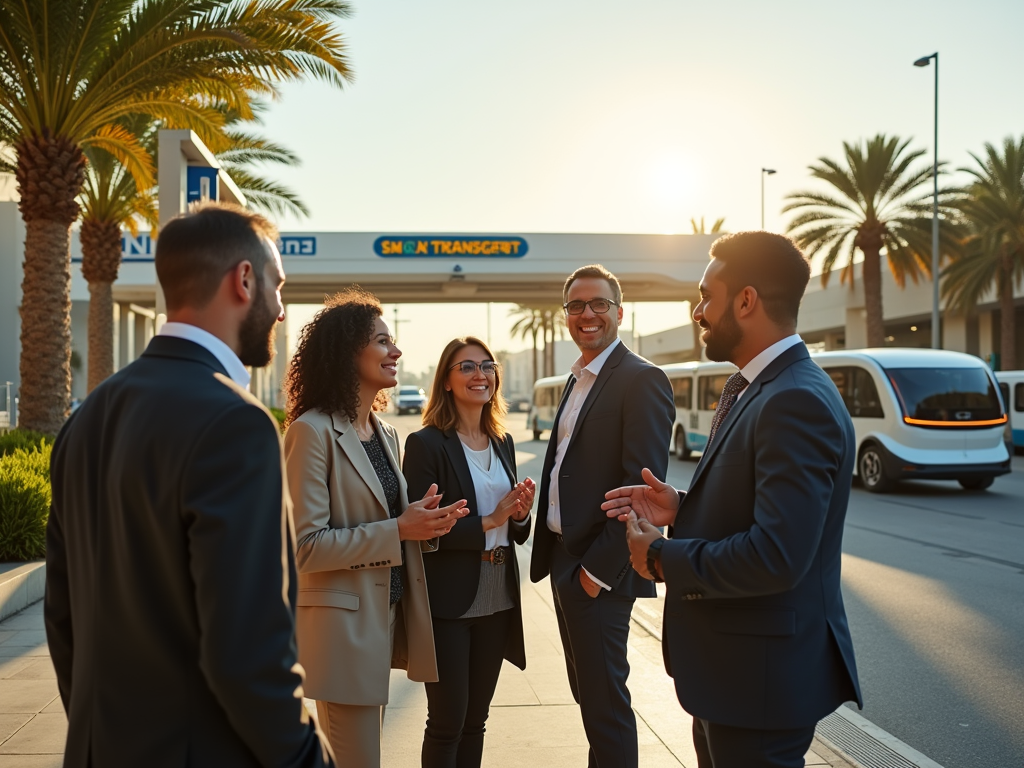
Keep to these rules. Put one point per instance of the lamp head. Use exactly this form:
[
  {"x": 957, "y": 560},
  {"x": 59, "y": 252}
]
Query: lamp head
[
  {"x": 924, "y": 61},
  {"x": 769, "y": 171}
]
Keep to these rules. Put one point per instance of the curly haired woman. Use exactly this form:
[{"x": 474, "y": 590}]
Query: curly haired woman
[{"x": 362, "y": 605}]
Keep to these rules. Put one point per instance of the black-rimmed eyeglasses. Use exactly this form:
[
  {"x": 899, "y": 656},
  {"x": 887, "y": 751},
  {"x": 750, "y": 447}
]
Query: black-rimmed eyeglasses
[
  {"x": 598, "y": 306},
  {"x": 469, "y": 367}
]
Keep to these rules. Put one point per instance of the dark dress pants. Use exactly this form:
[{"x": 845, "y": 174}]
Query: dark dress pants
[
  {"x": 594, "y": 633},
  {"x": 469, "y": 658},
  {"x": 723, "y": 746}
]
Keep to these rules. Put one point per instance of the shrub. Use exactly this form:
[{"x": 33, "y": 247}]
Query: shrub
[
  {"x": 24, "y": 503},
  {"x": 279, "y": 415},
  {"x": 23, "y": 439}
]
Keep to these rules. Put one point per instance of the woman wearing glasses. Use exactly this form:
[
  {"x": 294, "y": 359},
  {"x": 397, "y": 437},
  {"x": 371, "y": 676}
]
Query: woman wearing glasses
[
  {"x": 362, "y": 603},
  {"x": 473, "y": 578}
]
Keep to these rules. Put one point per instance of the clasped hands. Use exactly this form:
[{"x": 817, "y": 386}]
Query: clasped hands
[
  {"x": 424, "y": 519},
  {"x": 516, "y": 505},
  {"x": 644, "y": 509}
]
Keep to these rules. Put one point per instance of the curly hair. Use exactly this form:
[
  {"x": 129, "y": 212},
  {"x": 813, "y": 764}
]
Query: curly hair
[{"x": 324, "y": 371}]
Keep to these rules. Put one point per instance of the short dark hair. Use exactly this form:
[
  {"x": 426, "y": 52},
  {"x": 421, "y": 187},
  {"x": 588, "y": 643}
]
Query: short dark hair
[
  {"x": 594, "y": 270},
  {"x": 195, "y": 250},
  {"x": 324, "y": 371},
  {"x": 770, "y": 264}
]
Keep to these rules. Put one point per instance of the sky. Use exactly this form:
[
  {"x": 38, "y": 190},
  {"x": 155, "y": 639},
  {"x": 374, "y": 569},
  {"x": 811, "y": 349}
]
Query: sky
[{"x": 593, "y": 116}]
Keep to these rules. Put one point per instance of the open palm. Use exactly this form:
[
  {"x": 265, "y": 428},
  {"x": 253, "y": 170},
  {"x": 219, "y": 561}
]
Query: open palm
[{"x": 656, "y": 502}]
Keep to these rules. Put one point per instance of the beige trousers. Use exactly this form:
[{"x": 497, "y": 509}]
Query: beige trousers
[{"x": 354, "y": 730}]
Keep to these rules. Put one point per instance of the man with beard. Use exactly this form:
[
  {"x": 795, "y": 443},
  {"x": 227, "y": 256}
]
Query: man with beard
[
  {"x": 755, "y": 632},
  {"x": 614, "y": 419},
  {"x": 170, "y": 578}
]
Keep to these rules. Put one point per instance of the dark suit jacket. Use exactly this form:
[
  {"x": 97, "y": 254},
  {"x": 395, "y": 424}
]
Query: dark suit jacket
[
  {"x": 755, "y": 631},
  {"x": 170, "y": 574},
  {"x": 453, "y": 572},
  {"x": 625, "y": 424}
]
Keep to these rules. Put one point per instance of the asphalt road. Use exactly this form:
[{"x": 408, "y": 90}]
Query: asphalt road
[{"x": 933, "y": 578}]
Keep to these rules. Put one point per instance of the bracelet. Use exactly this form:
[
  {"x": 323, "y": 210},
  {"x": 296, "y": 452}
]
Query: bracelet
[{"x": 654, "y": 557}]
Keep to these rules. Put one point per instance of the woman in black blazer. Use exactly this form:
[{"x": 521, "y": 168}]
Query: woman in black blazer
[{"x": 473, "y": 577}]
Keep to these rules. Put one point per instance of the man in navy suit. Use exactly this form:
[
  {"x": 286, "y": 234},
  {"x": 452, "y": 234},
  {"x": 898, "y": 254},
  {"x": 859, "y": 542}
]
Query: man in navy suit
[{"x": 755, "y": 632}]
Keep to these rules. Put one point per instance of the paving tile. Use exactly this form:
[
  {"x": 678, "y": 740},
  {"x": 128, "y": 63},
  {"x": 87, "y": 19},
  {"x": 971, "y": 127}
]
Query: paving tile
[
  {"x": 9, "y": 724},
  {"x": 24, "y": 620},
  {"x": 26, "y": 637},
  {"x": 57, "y": 707},
  {"x": 5, "y": 635},
  {"x": 38, "y": 668},
  {"x": 8, "y": 651},
  {"x": 26, "y": 695},
  {"x": 42, "y": 735},
  {"x": 10, "y": 666},
  {"x": 31, "y": 761}
]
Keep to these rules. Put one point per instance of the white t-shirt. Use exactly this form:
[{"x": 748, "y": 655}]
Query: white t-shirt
[{"x": 491, "y": 485}]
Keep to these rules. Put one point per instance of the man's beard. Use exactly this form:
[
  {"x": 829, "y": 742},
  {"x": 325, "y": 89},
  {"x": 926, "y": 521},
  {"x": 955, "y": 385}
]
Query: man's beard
[
  {"x": 257, "y": 335},
  {"x": 725, "y": 336}
]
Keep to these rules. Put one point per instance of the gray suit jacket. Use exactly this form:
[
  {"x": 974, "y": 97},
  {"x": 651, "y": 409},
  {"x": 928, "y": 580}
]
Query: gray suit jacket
[
  {"x": 755, "y": 631},
  {"x": 170, "y": 574}
]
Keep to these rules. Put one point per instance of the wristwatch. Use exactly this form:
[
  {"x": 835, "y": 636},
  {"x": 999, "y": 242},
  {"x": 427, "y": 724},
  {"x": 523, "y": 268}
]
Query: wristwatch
[{"x": 654, "y": 557}]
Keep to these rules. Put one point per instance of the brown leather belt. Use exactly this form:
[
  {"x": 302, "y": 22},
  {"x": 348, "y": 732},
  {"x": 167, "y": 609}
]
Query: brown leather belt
[{"x": 496, "y": 556}]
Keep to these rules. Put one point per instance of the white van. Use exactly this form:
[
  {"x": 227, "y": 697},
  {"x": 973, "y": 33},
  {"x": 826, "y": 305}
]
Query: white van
[
  {"x": 1011, "y": 385},
  {"x": 921, "y": 414},
  {"x": 547, "y": 393},
  {"x": 696, "y": 388}
]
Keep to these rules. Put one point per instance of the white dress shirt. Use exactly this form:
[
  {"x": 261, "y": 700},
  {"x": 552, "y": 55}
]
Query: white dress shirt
[
  {"x": 224, "y": 354},
  {"x": 762, "y": 360},
  {"x": 491, "y": 485},
  {"x": 585, "y": 377}
]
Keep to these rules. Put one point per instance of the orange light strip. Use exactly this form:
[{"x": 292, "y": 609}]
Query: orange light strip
[{"x": 984, "y": 423}]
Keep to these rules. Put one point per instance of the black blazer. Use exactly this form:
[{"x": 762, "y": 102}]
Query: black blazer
[
  {"x": 453, "y": 571},
  {"x": 755, "y": 631},
  {"x": 624, "y": 425},
  {"x": 170, "y": 574}
]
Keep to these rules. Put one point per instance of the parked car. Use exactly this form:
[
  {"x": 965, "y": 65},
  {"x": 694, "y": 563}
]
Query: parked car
[{"x": 410, "y": 399}]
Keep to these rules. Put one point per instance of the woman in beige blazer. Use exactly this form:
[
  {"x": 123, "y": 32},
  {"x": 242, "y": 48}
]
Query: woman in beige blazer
[{"x": 362, "y": 606}]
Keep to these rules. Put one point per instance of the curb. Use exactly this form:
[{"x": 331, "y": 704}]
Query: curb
[{"x": 21, "y": 584}]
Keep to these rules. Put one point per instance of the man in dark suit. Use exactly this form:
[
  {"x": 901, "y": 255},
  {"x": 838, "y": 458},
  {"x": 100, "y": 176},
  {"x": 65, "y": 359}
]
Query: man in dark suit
[
  {"x": 755, "y": 632},
  {"x": 170, "y": 566},
  {"x": 614, "y": 419}
]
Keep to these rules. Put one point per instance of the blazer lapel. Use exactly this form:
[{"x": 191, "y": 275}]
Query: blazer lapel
[
  {"x": 549, "y": 455},
  {"x": 602, "y": 378},
  {"x": 506, "y": 460},
  {"x": 775, "y": 367},
  {"x": 457, "y": 456},
  {"x": 348, "y": 439}
]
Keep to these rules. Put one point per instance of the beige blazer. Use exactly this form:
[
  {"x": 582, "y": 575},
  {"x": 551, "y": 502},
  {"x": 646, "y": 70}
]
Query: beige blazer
[{"x": 346, "y": 544}]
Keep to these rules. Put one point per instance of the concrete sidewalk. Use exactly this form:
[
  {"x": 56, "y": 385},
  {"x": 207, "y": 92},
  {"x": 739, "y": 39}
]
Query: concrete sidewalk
[{"x": 533, "y": 722}]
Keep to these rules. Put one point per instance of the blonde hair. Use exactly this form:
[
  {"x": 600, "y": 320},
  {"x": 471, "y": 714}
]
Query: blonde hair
[{"x": 440, "y": 411}]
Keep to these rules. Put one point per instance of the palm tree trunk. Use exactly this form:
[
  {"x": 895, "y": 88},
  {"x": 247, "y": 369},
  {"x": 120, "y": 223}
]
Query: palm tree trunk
[
  {"x": 534, "y": 332},
  {"x": 1007, "y": 329},
  {"x": 101, "y": 333},
  {"x": 49, "y": 173},
  {"x": 872, "y": 275}
]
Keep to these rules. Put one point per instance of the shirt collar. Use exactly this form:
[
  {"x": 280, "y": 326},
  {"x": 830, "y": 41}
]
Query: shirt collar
[
  {"x": 596, "y": 364},
  {"x": 224, "y": 354},
  {"x": 756, "y": 367}
]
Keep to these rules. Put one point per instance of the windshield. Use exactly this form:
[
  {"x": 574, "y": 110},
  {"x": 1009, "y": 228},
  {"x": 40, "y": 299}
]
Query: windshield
[{"x": 951, "y": 397}]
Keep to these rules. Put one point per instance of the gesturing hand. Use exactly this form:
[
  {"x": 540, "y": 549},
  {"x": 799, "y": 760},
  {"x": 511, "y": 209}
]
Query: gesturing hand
[
  {"x": 639, "y": 535},
  {"x": 656, "y": 502},
  {"x": 424, "y": 520},
  {"x": 515, "y": 504}
]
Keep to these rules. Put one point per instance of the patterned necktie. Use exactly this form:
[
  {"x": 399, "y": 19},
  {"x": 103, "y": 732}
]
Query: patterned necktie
[{"x": 730, "y": 392}]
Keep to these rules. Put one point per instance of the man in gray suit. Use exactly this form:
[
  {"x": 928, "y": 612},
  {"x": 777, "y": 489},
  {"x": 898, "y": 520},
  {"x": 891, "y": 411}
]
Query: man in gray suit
[
  {"x": 170, "y": 570},
  {"x": 615, "y": 418},
  {"x": 755, "y": 632}
]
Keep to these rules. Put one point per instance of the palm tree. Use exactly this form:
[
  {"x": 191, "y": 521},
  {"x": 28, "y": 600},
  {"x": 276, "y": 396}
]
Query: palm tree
[
  {"x": 698, "y": 228},
  {"x": 70, "y": 69},
  {"x": 993, "y": 245},
  {"x": 529, "y": 322},
  {"x": 111, "y": 201},
  {"x": 877, "y": 202}
]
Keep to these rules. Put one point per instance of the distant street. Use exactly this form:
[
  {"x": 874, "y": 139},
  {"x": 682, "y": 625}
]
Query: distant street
[{"x": 933, "y": 578}]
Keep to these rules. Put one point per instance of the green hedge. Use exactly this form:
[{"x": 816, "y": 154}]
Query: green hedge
[
  {"x": 279, "y": 415},
  {"x": 23, "y": 439},
  {"x": 24, "y": 500}
]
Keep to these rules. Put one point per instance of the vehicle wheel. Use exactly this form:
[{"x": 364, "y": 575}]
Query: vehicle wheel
[
  {"x": 682, "y": 452},
  {"x": 536, "y": 432},
  {"x": 976, "y": 483},
  {"x": 871, "y": 469}
]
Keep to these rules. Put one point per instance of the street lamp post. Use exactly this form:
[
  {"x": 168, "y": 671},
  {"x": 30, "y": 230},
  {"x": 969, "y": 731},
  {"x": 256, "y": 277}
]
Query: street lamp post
[
  {"x": 764, "y": 172},
  {"x": 924, "y": 61}
]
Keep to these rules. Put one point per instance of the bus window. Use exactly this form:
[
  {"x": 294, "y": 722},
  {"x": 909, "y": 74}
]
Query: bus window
[
  {"x": 709, "y": 389},
  {"x": 866, "y": 403},
  {"x": 1018, "y": 398},
  {"x": 682, "y": 392},
  {"x": 1004, "y": 390}
]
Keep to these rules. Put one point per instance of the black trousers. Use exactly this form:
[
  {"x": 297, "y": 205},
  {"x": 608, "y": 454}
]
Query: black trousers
[
  {"x": 594, "y": 633},
  {"x": 723, "y": 746},
  {"x": 469, "y": 658}
]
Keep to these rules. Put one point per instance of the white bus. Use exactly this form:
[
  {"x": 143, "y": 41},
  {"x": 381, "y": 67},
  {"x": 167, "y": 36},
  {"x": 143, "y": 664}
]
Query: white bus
[
  {"x": 917, "y": 413},
  {"x": 546, "y": 394},
  {"x": 1011, "y": 385}
]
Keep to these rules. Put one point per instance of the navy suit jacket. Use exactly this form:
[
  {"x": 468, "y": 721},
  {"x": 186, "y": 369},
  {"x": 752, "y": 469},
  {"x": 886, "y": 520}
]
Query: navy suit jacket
[
  {"x": 624, "y": 425},
  {"x": 755, "y": 631}
]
